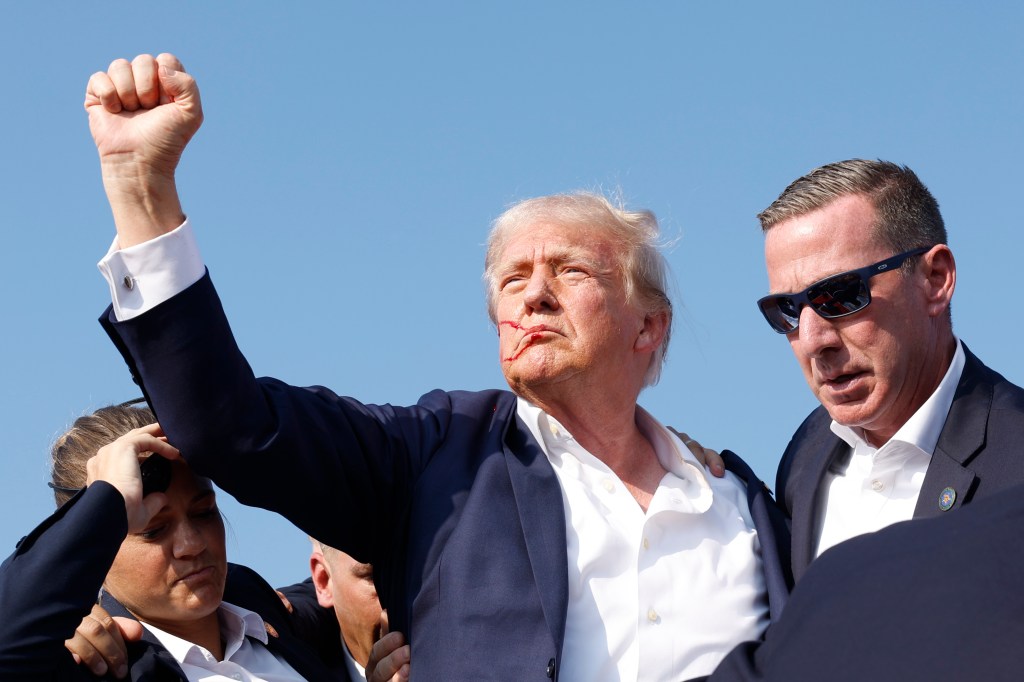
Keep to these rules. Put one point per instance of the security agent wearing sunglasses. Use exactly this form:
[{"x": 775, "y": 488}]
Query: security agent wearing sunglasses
[{"x": 911, "y": 423}]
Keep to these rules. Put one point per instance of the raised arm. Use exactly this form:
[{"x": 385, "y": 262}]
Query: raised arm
[
  {"x": 79, "y": 543},
  {"x": 142, "y": 114}
]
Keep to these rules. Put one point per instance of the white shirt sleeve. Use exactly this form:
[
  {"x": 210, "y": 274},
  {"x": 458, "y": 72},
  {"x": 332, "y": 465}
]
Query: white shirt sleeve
[{"x": 143, "y": 276}]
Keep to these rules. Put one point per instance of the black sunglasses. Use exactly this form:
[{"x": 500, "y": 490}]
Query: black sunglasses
[{"x": 836, "y": 296}]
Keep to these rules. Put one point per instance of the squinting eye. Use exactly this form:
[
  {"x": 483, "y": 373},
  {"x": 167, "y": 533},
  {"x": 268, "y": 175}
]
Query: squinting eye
[
  {"x": 152, "y": 533},
  {"x": 510, "y": 281}
]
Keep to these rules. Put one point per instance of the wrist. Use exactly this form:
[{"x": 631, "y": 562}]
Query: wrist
[{"x": 144, "y": 201}]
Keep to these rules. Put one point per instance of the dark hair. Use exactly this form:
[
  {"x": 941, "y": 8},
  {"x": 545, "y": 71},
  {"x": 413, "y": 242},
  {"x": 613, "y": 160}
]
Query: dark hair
[{"x": 907, "y": 215}]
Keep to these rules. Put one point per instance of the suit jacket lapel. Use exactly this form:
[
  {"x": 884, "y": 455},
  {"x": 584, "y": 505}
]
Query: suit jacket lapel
[
  {"x": 538, "y": 498},
  {"x": 962, "y": 437},
  {"x": 772, "y": 531},
  {"x": 148, "y": 658},
  {"x": 827, "y": 452}
]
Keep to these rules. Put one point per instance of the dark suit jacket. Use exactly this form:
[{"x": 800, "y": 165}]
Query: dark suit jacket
[
  {"x": 51, "y": 581},
  {"x": 457, "y": 506},
  {"x": 978, "y": 453},
  {"x": 928, "y": 599}
]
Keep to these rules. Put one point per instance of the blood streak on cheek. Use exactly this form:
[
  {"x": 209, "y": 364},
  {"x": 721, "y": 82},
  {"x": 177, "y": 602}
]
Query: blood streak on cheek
[{"x": 530, "y": 334}]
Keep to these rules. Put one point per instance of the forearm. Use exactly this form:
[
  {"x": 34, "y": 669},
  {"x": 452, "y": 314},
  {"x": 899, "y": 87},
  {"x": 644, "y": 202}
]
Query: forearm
[
  {"x": 52, "y": 579},
  {"x": 144, "y": 202}
]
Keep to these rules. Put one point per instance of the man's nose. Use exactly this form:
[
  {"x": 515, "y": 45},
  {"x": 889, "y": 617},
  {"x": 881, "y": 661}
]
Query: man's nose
[
  {"x": 816, "y": 334},
  {"x": 539, "y": 294}
]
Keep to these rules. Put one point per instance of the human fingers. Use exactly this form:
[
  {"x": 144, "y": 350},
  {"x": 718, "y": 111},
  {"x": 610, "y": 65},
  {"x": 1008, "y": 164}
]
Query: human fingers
[
  {"x": 179, "y": 87},
  {"x": 131, "y": 629},
  {"x": 120, "y": 72},
  {"x": 99, "y": 645},
  {"x": 147, "y": 84},
  {"x": 706, "y": 456},
  {"x": 389, "y": 659},
  {"x": 101, "y": 91},
  {"x": 170, "y": 61},
  {"x": 284, "y": 600},
  {"x": 118, "y": 464}
]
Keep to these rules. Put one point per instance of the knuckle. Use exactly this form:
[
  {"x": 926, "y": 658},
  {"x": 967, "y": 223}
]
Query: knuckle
[{"x": 91, "y": 628}]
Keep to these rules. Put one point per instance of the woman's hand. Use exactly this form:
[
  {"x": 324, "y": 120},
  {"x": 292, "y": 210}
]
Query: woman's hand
[{"x": 118, "y": 465}]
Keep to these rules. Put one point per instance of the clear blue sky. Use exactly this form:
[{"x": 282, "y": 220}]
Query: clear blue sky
[{"x": 353, "y": 156}]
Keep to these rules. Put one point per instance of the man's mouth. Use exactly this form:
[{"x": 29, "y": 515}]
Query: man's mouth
[
  {"x": 840, "y": 382},
  {"x": 530, "y": 335}
]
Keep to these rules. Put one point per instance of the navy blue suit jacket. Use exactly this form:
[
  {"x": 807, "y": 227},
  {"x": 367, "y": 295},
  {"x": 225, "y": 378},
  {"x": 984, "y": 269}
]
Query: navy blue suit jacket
[
  {"x": 978, "y": 453},
  {"x": 51, "y": 581},
  {"x": 928, "y": 599},
  {"x": 452, "y": 500}
]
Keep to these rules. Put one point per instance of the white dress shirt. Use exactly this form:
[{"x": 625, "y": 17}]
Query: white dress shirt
[
  {"x": 656, "y": 596},
  {"x": 244, "y": 660},
  {"x": 355, "y": 671},
  {"x": 880, "y": 486}
]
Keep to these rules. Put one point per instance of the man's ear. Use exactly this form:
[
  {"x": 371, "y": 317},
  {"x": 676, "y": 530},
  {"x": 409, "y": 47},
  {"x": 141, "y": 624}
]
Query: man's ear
[
  {"x": 652, "y": 333},
  {"x": 939, "y": 269},
  {"x": 321, "y": 580}
]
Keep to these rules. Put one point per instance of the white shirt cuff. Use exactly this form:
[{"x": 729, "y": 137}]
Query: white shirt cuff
[{"x": 143, "y": 276}]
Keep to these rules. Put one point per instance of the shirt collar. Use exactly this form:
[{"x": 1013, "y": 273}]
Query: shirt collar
[
  {"x": 924, "y": 426},
  {"x": 676, "y": 458},
  {"x": 236, "y": 623}
]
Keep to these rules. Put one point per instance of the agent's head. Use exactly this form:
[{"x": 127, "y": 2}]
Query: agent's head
[
  {"x": 873, "y": 344},
  {"x": 172, "y": 573},
  {"x": 344, "y": 584},
  {"x": 576, "y": 284}
]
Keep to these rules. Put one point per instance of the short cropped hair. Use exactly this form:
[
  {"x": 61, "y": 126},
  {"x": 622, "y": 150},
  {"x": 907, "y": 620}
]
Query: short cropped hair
[
  {"x": 88, "y": 434},
  {"x": 908, "y": 215},
  {"x": 641, "y": 264}
]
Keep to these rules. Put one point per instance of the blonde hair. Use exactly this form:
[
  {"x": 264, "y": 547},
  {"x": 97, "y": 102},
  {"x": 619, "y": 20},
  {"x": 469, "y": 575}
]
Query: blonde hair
[
  {"x": 641, "y": 264},
  {"x": 88, "y": 434}
]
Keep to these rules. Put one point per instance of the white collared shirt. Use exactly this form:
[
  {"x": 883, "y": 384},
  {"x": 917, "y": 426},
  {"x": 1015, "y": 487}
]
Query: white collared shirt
[
  {"x": 244, "y": 659},
  {"x": 880, "y": 486},
  {"x": 143, "y": 276},
  {"x": 355, "y": 671},
  {"x": 656, "y": 596}
]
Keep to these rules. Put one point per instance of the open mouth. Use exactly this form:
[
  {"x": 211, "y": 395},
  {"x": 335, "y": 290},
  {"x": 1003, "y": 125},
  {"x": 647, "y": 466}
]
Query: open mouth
[{"x": 841, "y": 382}]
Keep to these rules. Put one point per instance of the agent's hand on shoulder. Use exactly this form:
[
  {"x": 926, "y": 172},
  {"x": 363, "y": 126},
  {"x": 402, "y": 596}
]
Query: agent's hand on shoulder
[
  {"x": 99, "y": 642},
  {"x": 706, "y": 456}
]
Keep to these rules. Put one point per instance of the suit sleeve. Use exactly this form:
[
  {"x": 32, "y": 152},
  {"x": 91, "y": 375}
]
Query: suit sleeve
[
  {"x": 306, "y": 453},
  {"x": 51, "y": 581}
]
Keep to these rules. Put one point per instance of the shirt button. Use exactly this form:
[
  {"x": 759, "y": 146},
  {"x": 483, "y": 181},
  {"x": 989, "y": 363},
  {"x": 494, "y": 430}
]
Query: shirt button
[
  {"x": 652, "y": 615},
  {"x": 608, "y": 484},
  {"x": 129, "y": 284},
  {"x": 877, "y": 486},
  {"x": 553, "y": 428},
  {"x": 647, "y": 543}
]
